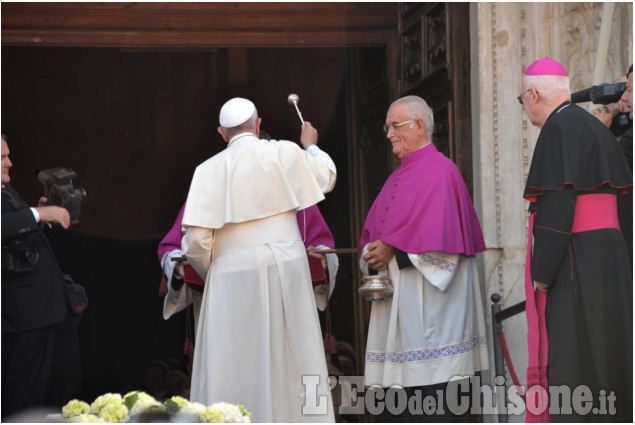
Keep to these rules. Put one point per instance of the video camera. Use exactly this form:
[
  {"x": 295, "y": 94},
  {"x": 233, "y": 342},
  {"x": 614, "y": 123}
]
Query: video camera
[
  {"x": 59, "y": 189},
  {"x": 602, "y": 94}
]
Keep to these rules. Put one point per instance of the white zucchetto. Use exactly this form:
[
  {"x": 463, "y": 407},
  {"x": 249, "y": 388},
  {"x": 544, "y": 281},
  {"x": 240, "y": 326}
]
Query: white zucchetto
[{"x": 235, "y": 112}]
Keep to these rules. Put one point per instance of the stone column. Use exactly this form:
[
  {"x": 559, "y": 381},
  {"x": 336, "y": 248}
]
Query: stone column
[{"x": 505, "y": 39}]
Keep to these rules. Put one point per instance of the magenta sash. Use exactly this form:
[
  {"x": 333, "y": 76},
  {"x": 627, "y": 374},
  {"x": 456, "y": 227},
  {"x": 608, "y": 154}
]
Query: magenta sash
[
  {"x": 595, "y": 211},
  {"x": 537, "y": 394}
]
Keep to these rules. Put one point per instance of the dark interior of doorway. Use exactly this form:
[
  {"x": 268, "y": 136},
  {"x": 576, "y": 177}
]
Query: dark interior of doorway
[{"x": 134, "y": 124}]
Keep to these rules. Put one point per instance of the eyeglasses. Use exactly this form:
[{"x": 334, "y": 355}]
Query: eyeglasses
[
  {"x": 520, "y": 98},
  {"x": 395, "y": 125}
]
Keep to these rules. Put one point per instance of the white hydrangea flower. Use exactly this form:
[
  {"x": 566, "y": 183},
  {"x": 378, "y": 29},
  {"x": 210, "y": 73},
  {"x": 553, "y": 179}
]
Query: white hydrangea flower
[
  {"x": 142, "y": 405},
  {"x": 143, "y": 396},
  {"x": 86, "y": 418},
  {"x": 231, "y": 413},
  {"x": 115, "y": 412},
  {"x": 103, "y": 400},
  {"x": 193, "y": 409},
  {"x": 139, "y": 401},
  {"x": 211, "y": 416},
  {"x": 176, "y": 402},
  {"x": 111, "y": 407},
  {"x": 74, "y": 408}
]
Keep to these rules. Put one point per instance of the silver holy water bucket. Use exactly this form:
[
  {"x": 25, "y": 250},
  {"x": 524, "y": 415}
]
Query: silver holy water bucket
[{"x": 376, "y": 288}]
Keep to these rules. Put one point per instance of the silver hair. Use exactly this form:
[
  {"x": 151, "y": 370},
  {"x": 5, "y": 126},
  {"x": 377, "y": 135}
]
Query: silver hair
[
  {"x": 418, "y": 108},
  {"x": 548, "y": 85},
  {"x": 250, "y": 124}
]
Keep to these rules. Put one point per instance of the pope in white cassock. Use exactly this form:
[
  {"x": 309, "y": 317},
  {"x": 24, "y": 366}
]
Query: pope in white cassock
[{"x": 258, "y": 333}]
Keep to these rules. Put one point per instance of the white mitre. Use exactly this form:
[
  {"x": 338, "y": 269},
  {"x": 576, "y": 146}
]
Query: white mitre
[{"x": 235, "y": 112}]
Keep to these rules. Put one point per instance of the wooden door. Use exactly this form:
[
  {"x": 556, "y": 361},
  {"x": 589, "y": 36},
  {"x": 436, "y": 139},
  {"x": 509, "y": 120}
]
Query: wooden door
[
  {"x": 435, "y": 65},
  {"x": 370, "y": 156}
]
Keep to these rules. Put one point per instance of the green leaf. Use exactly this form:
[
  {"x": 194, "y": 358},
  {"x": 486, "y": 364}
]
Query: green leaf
[
  {"x": 171, "y": 406},
  {"x": 244, "y": 411},
  {"x": 131, "y": 400}
]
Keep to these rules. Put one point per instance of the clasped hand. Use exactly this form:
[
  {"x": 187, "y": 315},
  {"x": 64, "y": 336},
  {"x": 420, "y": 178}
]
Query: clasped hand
[{"x": 314, "y": 252}]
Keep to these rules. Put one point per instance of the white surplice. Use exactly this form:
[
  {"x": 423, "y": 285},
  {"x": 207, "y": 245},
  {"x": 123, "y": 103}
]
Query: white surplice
[
  {"x": 259, "y": 331},
  {"x": 178, "y": 299},
  {"x": 432, "y": 329}
]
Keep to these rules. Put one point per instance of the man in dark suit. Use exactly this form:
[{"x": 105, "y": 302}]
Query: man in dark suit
[
  {"x": 607, "y": 115},
  {"x": 625, "y": 203},
  {"x": 40, "y": 348}
]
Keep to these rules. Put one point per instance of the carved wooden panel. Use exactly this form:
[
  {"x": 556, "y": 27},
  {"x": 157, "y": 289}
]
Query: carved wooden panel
[
  {"x": 412, "y": 54},
  {"x": 423, "y": 41},
  {"x": 442, "y": 131},
  {"x": 436, "y": 66},
  {"x": 436, "y": 43}
]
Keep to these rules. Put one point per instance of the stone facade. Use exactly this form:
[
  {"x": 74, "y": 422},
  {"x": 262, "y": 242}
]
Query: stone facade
[{"x": 505, "y": 39}]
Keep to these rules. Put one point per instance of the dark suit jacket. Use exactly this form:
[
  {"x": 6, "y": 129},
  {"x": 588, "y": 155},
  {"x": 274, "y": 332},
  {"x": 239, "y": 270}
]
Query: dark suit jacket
[
  {"x": 625, "y": 203},
  {"x": 33, "y": 299}
]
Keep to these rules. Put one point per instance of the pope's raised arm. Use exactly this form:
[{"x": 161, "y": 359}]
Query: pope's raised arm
[{"x": 320, "y": 162}]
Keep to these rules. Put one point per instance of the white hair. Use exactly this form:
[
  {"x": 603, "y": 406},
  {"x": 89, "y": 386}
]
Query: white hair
[
  {"x": 548, "y": 86},
  {"x": 418, "y": 108}
]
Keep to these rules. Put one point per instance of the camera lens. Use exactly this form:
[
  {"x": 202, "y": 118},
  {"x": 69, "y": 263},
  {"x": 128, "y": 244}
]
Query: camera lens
[{"x": 32, "y": 255}]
